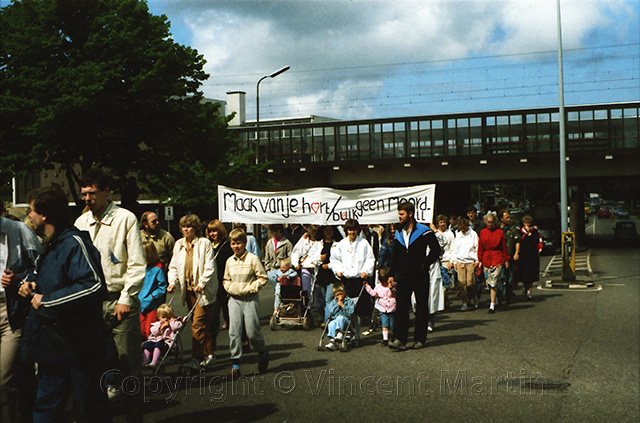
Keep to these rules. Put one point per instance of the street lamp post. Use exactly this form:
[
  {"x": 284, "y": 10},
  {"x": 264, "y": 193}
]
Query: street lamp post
[{"x": 273, "y": 75}]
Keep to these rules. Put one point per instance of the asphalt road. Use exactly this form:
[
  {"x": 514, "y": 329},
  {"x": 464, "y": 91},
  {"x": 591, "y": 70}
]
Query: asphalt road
[{"x": 568, "y": 355}]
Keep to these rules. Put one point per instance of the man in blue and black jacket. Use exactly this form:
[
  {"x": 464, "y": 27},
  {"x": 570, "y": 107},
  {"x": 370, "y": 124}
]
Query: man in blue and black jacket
[
  {"x": 410, "y": 273},
  {"x": 64, "y": 332}
]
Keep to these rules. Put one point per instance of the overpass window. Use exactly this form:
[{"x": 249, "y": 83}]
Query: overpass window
[
  {"x": 352, "y": 142},
  {"x": 437, "y": 137},
  {"x": 297, "y": 145},
  {"x": 631, "y": 128},
  {"x": 364, "y": 141},
  {"x": 399, "y": 135},
  {"x": 515, "y": 132},
  {"x": 414, "y": 139},
  {"x": 275, "y": 146},
  {"x": 342, "y": 143},
  {"x": 376, "y": 141},
  {"x": 475, "y": 133},
  {"x": 451, "y": 137},
  {"x": 425, "y": 138},
  {"x": 387, "y": 141},
  {"x": 329, "y": 143},
  {"x": 555, "y": 131}
]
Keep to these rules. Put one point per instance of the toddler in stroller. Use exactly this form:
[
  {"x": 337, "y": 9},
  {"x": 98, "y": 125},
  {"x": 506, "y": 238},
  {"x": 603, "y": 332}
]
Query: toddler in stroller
[
  {"x": 163, "y": 334},
  {"x": 340, "y": 311}
]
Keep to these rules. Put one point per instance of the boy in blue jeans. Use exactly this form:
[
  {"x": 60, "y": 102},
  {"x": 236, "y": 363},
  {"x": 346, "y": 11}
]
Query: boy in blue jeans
[
  {"x": 340, "y": 310},
  {"x": 244, "y": 276}
]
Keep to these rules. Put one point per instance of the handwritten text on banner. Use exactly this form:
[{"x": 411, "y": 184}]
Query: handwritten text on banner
[{"x": 323, "y": 206}]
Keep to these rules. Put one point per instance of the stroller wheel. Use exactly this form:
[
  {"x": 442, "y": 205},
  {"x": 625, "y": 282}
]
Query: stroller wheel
[
  {"x": 185, "y": 370},
  {"x": 273, "y": 323},
  {"x": 344, "y": 347},
  {"x": 306, "y": 324}
]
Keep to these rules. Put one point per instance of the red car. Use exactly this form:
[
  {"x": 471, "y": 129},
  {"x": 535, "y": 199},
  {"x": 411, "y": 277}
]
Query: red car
[{"x": 604, "y": 211}]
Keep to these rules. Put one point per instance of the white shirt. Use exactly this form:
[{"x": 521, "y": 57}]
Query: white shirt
[
  {"x": 306, "y": 253},
  {"x": 352, "y": 258},
  {"x": 465, "y": 247},
  {"x": 445, "y": 239}
]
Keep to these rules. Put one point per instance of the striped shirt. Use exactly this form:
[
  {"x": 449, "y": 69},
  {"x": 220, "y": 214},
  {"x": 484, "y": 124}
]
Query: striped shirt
[{"x": 244, "y": 275}]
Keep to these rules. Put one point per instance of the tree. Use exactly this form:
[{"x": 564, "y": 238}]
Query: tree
[{"x": 101, "y": 83}]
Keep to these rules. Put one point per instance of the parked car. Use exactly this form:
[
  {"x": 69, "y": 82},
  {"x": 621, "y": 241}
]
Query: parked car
[
  {"x": 550, "y": 241},
  {"x": 621, "y": 212},
  {"x": 625, "y": 231},
  {"x": 604, "y": 212}
]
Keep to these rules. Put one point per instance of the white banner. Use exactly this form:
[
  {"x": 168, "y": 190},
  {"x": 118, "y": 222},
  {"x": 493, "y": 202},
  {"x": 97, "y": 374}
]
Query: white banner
[{"x": 324, "y": 206}]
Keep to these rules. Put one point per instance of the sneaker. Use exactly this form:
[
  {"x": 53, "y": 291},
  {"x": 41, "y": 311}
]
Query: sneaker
[
  {"x": 225, "y": 325},
  {"x": 113, "y": 392},
  {"x": 418, "y": 345},
  {"x": 398, "y": 345},
  {"x": 492, "y": 309},
  {"x": 234, "y": 374},
  {"x": 529, "y": 298},
  {"x": 339, "y": 336},
  {"x": 429, "y": 328},
  {"x": 263, "y": 363},
  {"x": 331, "y": 346},
  {"x": 384, "y": 343},
  {"x": 207, "y": 361},
  {"x": 464, "y": 307},
  {"x": 367, "y": 332}
]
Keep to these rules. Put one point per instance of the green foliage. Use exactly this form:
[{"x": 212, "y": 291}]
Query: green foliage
[{"x": 101, "y": 83}]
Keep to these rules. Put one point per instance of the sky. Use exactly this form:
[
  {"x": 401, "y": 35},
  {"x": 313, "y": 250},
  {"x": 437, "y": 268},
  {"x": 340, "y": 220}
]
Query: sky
[{"x": 362, "y": 59}]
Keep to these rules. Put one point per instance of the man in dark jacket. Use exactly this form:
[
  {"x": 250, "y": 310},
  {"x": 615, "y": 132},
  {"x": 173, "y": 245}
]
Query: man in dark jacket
[
  {"x": 64, "y": 332},
  {"x": 410, "y": 272}
]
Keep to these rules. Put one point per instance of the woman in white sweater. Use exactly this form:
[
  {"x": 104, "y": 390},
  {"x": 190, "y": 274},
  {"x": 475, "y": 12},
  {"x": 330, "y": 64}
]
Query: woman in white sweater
[
  {"x": 193, "y": 267},
  {"x": 465, "y": 259}
]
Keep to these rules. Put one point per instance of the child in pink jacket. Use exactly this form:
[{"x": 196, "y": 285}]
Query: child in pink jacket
[
  {"x": 163, "y": 333},
  {"x": 385, "y": 303}
]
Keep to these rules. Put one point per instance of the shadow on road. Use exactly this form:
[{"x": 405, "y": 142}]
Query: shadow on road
[
  {"x": 243, "y": 413},
  {"x": 299, "y": 365},
  {"x": 453, "y": 339}
]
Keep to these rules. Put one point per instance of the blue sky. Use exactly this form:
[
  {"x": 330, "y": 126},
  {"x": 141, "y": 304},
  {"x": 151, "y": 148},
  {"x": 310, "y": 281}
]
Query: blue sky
[{"x": 356, "y": 59}]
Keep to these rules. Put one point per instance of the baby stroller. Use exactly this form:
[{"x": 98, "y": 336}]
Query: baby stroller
[
  {"x": 351, "y": 333},
  {"x": 294, "y": 307},
  {"x": 185, "y": 367}
]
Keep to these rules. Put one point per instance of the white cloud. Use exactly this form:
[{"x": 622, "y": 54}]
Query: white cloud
[{"x": 339, "y": 50}]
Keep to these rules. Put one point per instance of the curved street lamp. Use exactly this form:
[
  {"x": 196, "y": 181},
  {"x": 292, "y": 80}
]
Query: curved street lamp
[{"x": 273, "y": 75}]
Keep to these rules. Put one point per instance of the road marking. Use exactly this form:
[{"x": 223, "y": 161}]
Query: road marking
[{"x": 616, "y": 284}]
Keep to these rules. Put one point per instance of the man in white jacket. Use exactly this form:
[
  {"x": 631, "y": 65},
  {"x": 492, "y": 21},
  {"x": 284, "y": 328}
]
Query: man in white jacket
[
  {"x": 116, "y": 234},
  {"x": 352, "y": 261}
]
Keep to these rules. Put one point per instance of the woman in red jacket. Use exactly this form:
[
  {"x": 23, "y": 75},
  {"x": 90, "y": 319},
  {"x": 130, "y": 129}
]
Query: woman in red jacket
[{"x": 492, "y": 255}]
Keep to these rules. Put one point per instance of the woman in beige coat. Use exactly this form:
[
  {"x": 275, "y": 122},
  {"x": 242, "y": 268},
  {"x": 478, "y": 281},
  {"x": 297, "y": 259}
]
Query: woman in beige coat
[{"x": 193, "y": 267}]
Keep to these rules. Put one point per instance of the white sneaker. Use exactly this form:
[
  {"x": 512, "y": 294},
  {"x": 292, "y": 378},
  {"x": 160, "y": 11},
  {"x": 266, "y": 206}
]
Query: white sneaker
[
  {"x": 339, "y": 336},
  {"x": 331, "y": 346},
  {"x": 429, "y": 328},
  {"x": 207, "y": 361},
  {"x": 113, "y": 392}
]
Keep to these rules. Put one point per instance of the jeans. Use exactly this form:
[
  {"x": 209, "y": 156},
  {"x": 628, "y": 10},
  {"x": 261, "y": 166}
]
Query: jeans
[
  {"x": 273, "y": 280},
  {"x": 307, "y": 284},
  {"x": 388, "y": 319},
  {"x": 339, "y": 324},
  {"x": 328, "y": 297}
]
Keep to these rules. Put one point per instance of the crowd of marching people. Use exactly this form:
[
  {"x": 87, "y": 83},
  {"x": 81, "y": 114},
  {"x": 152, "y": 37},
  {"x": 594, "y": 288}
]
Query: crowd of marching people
[{"x": 80, "y": 297}]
